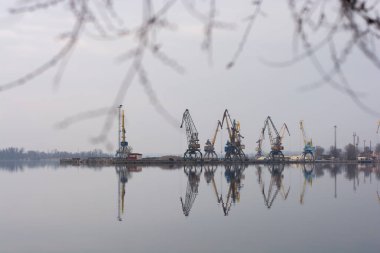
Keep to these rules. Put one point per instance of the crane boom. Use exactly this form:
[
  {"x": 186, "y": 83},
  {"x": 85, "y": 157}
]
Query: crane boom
[
  {"x": 227, "y": 118},
  {"x": 216, "y": 132},
  {"x": 284, "y": 129},
  {"x": 209, "y": 145},
  {"x": 191, "y": 130}
]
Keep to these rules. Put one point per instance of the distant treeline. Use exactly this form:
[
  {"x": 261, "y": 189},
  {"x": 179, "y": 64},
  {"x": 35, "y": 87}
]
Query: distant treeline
[{"x": 21, "y": 154}]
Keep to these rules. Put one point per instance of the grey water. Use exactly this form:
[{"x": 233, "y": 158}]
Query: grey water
[{"x": 280, "y": 208}]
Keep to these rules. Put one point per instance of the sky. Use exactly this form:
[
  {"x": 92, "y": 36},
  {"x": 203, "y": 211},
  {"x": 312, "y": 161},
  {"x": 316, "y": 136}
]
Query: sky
[{"x": 251, "y": 90}]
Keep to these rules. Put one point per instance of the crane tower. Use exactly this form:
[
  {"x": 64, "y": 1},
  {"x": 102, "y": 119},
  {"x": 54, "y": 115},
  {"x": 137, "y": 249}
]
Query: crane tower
[
  {"x": 234, "y": 147},
  {"x": 275, "y": 138},
  {"x": 193, "y": 147},
  {"x": 210, "y": 145},
  {"x": 123, "y": 150},
  {"x": 309, "y": 149}
]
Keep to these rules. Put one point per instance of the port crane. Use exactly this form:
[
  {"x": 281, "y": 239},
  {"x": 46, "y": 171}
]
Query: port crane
[
  {"x": 259, "y": 148},
  {"x": 234, "y": 147},
  {"x": 276, "y": 181},
  {"x": 275, "y": 138},
  {"x": 210, "y": 145},
  {"x": 193, "y": 151},
  {"x": 309, "y": 149},
  {"x": 123, "y": 150},
  {"x": 193, "y": 174}
]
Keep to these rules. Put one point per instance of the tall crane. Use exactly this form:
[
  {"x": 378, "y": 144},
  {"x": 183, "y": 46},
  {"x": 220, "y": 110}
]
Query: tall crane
[
  {"x": 123, "y": 150},
  {"x": 234, "y": 147},
  {"x": 309, "y": 149},
  {"x": 275, "y": 138},
  {"x": 259, "y": 148},
  {"x": 210, "y": 145},
  {"x": 193, "y": 175},
  {"x": 193, "y": 151}
]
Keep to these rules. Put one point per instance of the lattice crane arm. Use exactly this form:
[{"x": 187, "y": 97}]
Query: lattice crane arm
[
  {"x": 260, "y": 141},
  {"x": 268, "y": 124},
  {"x": 227, "y": 118},
  {"x": 191, "y": 130},
  {"x": 284, "y": 129}
]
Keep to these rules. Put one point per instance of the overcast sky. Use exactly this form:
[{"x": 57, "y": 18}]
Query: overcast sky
[{"x": 250, "y": 91}]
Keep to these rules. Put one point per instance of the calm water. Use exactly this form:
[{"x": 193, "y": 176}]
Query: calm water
[{"x": 47, "y": 208}]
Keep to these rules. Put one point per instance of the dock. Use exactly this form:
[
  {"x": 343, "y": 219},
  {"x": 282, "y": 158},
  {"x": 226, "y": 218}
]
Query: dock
[{"x": 179, "y": 161}]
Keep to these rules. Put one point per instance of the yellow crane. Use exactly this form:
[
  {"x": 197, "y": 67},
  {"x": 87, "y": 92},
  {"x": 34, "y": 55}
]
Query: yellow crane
[
  {"x": 210, "y": 145},
  {"x": 234, "y": 147},
  {"x": 123, "y": 150},
  {"x": 308, "y": 150},
  {"x": 259, "y": 148}
]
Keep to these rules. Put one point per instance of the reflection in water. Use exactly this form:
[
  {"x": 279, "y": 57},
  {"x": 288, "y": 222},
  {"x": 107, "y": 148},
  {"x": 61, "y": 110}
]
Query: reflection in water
[
  {"x": 21, "y": 166},
  {"x": 124, "y": 174},
  {"x": 210, "y": 178},
  {"x": 193, "y": 174},
  {"x": 76, "y": 222},
  {"x": 352, "y": 174},
  {"x": 234, "y": 176},
  {"x": 276, "y": 180},
  {"x": 308, "y": 174}
]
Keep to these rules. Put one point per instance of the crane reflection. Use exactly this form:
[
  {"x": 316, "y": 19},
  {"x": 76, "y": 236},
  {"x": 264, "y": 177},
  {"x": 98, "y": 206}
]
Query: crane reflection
[
  {"x": 234, "y": 176},
  {"x": 124, "y": 174},
  {"x": 308, "y": 174},
  {"x": 193, "y": 174},
  {"x": 275, "y": 185}
]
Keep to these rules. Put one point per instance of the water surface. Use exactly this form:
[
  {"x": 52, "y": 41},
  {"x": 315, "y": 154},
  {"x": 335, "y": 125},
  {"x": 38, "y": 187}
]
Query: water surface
[{"x": 326, "y": 208}]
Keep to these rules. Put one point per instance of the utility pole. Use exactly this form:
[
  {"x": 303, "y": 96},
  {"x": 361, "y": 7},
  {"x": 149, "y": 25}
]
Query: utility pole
[
  {"x": 357, "y": 143},
  {"x": 334, "y": 140},
  {"x": 354, "y": 135},
  {"x": 118, "y": 140}
]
